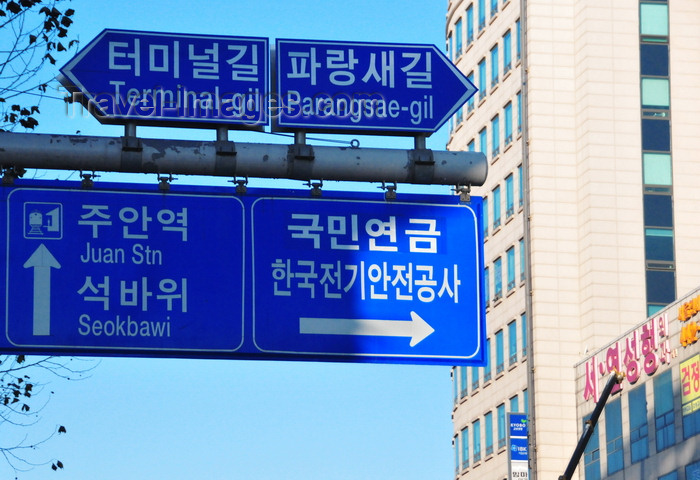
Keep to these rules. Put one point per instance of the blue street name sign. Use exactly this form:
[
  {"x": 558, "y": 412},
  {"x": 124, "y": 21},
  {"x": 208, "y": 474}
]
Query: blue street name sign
[
  {"x": 198, "y": 272},
  {"x": 172, "y": 79},
  {"x": 518, "y": 446},
  {"x": 375, "y": 87}
]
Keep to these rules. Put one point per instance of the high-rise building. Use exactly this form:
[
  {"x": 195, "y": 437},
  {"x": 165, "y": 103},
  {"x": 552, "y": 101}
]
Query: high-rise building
[{"x": 588, "y": 114}]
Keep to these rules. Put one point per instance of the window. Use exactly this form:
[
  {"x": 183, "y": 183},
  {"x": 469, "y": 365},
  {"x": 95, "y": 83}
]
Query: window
[
  {"x": 465, "y": 447},
  {"x": 458, "y": 38},
  {"x": 494, "y": 65},
  {"x": 591, "y": 455},
  {"x": 656, "y": 93},
  {"x": 658, "y": 211},
  {"x": 512, "y": 343},
  {"x": 470, "y": 24},
  {"x": 496, "y": 197},
  {"x": 692, "y": 471},
  {"x": 487, "y": 367},
  {"x": 455, "y": 383},
  {"x": 510, "y": 208},
  {"x": 482, "y": 81},
  {"x": 488, "y": 433},
  {"x": 653, "y": 20},
  {"x": 485, "y": 216},
  {"x": 456, "y": 449},
  {"x": 520, "y": 185},
  {"x": 510, "y": 264},
  {"x": 471, "y": 147},
  {"x": 506, "y": 52},
  {"x": 487, "y": 287},
  {"x": 508, "y": 123},
  {"x": 463, "y": 382},
  {"x": 475, "y": 378},
  {"x": 613, "y": 435},
  {"x": 501, "y": 414},
  {"x": 482, "y": 141},
  {"x": 670, "y": 476},
  {"x": 513, "y": 404},
  {"x": 522, "y": 259},
  {"x": 657, "y": 169},
  {"x": 470, "y": 102},
  {"x": 460, "y": 115},
  {"x": 639, "y": 429},
  {"x": 523, "y": 333},
  {"x": 497, "y": 279},
  {"x": 661, "y": 286},
  {"x": 500, "y": 364},
  {"x": 663, "y": 411},
  {"x": 476, "y": 440},
  {"x": 654, "y": 59},
  {"x": 658, "y": 245},
  {"x": 520, "y": 111},
  {"x": 448, "y": 47},
  {"x": 518, "y": 39},
  {"x": 656, "y": 134},
  {"x": 494, "y": 8},
  {"x": 482, "y": 14},
  {"x": 495, "y": 136}
]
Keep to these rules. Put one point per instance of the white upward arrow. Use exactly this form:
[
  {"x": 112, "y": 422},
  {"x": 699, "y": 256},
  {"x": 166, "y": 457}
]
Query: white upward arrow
[
  {"x": 42, "y": 262},
  {"x": 417, "y": 328}
]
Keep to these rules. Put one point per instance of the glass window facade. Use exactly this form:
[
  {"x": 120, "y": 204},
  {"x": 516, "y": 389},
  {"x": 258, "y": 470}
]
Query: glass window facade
[
  {"x": 501, "y": 420},
  {"x": 639, "y": 428},
  {"x": 591, "y": 455},
  {"x": 510, "y": 270},
  {"x": 500, "y": 360},
  {"x": 512, "y": 343},
  {"x": 613, "y": 435},
  {"x": 488, "y": 434},
  {"x": 497, "y": 279},
  {"x": 664, "y": 420}
]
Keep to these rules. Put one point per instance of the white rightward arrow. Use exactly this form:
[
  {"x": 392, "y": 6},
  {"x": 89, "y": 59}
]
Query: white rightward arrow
[
  {"x": 417, "y": 328},
  {"x": 42, "y": 262}
]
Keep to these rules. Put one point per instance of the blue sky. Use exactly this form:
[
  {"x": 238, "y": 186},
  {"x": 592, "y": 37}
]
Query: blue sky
[{"x": 184, "y": 419}]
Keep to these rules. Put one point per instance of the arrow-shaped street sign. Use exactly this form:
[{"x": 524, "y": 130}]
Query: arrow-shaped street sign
[
  {"x": 375, "y": 87},
  {"x": 166, "y": 79},
  {"x": 42, "y": 261},
  {"x": 416, "y": 329}
]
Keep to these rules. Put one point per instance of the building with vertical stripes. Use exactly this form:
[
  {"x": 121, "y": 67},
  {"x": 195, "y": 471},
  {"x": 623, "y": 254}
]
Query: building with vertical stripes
[{"x": 587, "y": 111}]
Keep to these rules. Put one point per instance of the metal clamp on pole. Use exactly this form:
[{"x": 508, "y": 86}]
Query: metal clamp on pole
[
  {"x": 464, "y": 192},
  {"x": 422, "y": 161},
  {"x": 132, "y": 149},
  {"x": 87, "y": 181},
  {"x": 164, "y": 182},
  {"x": 225, "y": 153},
  {"x": 300, "y": 158},
  {"x": 10, "y": 173}
]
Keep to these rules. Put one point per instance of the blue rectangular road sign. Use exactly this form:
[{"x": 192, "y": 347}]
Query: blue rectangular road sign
[
  {"x": 172, "y": 79},
  {"x": 374, "y": 87},
  {"x": 201, "y": 272},
  {"x": 123, "y": 270}
]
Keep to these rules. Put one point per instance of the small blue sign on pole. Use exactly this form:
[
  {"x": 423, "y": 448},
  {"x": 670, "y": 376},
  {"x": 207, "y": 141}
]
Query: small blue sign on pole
[
  {"x": 518, "y": 458},
  {"x": 375, "y": 87},
  {"x": 166, "y": 79}
]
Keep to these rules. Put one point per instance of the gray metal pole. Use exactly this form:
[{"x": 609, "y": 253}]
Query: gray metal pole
[{"x": 186, "y": 157}]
